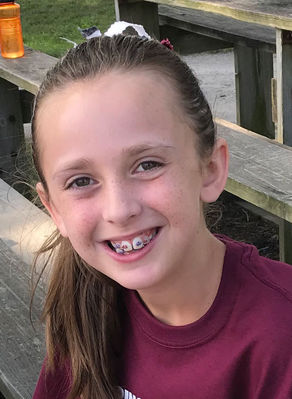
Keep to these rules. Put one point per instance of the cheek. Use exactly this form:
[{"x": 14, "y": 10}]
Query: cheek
[
  {"x": 176, "y": 196},
  {"x": 79, "y": 218}
]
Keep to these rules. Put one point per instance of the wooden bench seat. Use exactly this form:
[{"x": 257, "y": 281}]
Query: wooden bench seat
[
  {"x": 23, "y": 227},
  {"x": 260, "y": 169},
  {"x": 21, "y": 347},
  {"x": 218, "y": 27},
  {"x": 26, "y": 72}
]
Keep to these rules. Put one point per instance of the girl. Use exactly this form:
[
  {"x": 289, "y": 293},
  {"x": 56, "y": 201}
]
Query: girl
[{"x": 144, "y": 302}]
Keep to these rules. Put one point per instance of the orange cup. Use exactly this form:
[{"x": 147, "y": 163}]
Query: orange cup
[{"x": 11, "y": 43}]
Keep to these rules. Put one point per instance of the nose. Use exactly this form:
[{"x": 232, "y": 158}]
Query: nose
[{"x": 120, "y": 204}]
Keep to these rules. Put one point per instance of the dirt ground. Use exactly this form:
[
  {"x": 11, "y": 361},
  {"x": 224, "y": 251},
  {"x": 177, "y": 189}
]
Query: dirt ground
[
  {"x": 228, "y": 217},
  {"x": 216, "y": 75}
]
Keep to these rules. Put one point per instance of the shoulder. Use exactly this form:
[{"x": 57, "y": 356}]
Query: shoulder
[
  {"x": 269, "y": 275},
  {"x": 272, "y": 276},
  {"x": 262, "y": 316},
  {"x": 264, "y": 293}
]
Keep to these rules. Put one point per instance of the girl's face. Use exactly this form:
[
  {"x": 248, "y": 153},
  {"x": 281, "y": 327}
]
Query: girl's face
[{"x": 125, "y": 181}]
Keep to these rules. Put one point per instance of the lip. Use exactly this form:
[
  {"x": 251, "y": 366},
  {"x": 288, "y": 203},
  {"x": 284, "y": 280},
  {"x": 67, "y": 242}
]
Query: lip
[
  {"x": 133, "y": 256},
  {"x": 130, "y": 236}
]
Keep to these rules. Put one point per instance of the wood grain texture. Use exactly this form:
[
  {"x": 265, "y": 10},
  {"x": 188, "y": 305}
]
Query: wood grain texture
[
  {"x": 260, "y": 170},
  {"x": 21, "y": 348},
  {"x": 218, "y": 27},
  {"x": 28, "y": 71},
  {"x": 274, "y": 13},
  {"x": 287, "y": 86}
]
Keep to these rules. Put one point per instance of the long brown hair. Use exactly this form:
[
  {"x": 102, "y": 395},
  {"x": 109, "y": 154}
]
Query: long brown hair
[{"x": 83, "y": 309}]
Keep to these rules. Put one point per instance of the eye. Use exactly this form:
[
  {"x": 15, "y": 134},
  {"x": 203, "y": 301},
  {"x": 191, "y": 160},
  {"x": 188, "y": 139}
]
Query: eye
[
  {"x": 148, "y": 165},
  {"x": 79, "y": 182}
]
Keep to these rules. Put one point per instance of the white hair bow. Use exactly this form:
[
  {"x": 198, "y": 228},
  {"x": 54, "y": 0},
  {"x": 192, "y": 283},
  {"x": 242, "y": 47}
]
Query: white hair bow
[{"x": 116, "y": 28}]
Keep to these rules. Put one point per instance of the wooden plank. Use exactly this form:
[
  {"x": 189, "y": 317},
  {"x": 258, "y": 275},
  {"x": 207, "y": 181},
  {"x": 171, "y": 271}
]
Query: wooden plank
[
  {"x": 139, "y": 12},
  {"x": 28, "y": 71},
  {"x": 274, "y": 13},
  {"x": 287, "y": 86},
  {"x": 218, "y": 27},
  {"x": 21, "y": 347},
  {"x": 260, "y": 170},
  {"x": 279, "y": 86},
  {"x": 254, "y": 73}
]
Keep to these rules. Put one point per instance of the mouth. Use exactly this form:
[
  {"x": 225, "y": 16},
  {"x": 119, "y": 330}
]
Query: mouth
[{"x": 135, "y": 244}]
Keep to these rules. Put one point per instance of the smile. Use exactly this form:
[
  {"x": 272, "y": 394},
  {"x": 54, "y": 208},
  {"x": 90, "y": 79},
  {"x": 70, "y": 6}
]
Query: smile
[{"x": 126, "y": 247}]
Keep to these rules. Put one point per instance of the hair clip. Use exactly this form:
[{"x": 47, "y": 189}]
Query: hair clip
[
  {"x": 119, "y": 27},
  {"x": 166, "y": 43}
]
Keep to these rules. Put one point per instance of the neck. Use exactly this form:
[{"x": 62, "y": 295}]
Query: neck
[{"x": 192, "y": 291}]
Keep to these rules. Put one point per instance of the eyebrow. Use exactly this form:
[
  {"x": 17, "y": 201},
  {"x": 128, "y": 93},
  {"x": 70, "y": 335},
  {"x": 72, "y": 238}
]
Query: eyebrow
[
  {"x": 80, "y": 164},
  {"x": 139, "y": 149}
]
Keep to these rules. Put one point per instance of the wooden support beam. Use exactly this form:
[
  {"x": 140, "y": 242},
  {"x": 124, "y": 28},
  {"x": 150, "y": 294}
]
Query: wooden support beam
[
  {"x": 285, "y": 241},
  {"x": 253, "y": 74},
  {"x": 11, "y": 128},
  {"x": 279, "y": 82},
  {"x": 284, "y": 120},
  {"x": 26, "y": 102},
  {"x": 139, "y": 12}
]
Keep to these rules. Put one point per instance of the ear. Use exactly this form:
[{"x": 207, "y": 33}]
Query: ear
[
  {"x": 44, "y": 197},
  {"x": 215, "y": 172}
]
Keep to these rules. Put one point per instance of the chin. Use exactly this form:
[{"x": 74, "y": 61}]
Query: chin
[{"x": 140, "y": 282}]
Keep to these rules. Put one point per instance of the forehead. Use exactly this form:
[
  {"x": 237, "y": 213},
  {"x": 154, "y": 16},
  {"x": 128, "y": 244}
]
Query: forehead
[
  {"x": 116, "y": 89},
  {"x": 106, "y": 108}
]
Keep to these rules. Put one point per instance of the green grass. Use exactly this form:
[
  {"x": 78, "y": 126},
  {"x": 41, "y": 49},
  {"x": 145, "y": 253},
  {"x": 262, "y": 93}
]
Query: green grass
[{"x": 44, "y": 21}]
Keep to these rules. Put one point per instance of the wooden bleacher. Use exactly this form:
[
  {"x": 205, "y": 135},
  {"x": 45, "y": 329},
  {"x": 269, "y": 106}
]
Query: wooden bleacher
[{"x": 23, "y": 227}]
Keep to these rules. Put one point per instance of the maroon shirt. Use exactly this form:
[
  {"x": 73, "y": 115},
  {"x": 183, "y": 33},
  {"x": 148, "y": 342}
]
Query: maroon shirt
[{"x": 240, "y": 349}]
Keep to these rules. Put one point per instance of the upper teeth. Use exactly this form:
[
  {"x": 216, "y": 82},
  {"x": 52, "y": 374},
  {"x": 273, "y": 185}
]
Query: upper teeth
[
  {"x": 126, "y": 246},
  {"x": 136, "y": 243}
]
